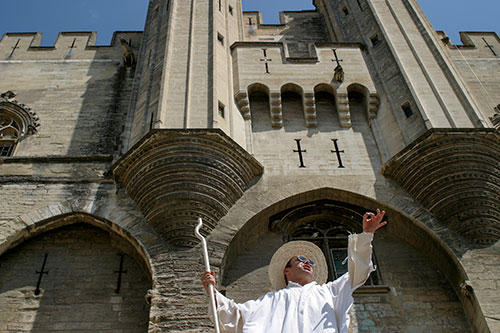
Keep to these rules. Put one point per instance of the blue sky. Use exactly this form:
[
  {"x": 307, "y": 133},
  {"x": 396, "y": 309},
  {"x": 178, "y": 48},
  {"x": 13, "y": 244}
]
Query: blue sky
[{"x": 106, "y": 16}]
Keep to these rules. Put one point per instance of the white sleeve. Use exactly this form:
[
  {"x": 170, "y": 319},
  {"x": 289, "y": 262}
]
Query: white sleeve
[
  {"x": 228, "y": 313},
  {"x": 359, "y": 254}
]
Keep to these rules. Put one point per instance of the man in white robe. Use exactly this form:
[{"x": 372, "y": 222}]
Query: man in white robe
[{"x": 306, "y": 304}]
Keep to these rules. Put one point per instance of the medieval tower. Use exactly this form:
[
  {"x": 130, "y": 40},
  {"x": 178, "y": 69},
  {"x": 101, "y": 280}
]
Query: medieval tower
[{"x": 109, "y": 154}]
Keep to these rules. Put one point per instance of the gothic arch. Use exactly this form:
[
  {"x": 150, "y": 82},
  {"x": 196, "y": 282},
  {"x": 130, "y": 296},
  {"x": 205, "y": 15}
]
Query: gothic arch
[
  {"x": 82, "y": 254},
  {"x": 258, "y": 87},
  {"x": 259, "y": 97},
  {"x": 16, "y": 122},
  {"x": 26, "y": 118},
  {"x": 325, "y": 87},
  {"x": 369, "y": 99},
  {"x": 292, "y": 87},
  {"x": 294, "y": 110},
  {"x": 402, "y": 226},
  {"x": 326, "y": 107},
  {"x": 54, "y": 216}
]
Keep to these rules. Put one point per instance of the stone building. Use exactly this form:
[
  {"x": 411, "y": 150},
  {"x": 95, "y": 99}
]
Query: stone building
[{"x": 269, "y": 133}]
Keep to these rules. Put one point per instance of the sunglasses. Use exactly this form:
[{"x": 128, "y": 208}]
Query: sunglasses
[{"x": 304, "y": 259}]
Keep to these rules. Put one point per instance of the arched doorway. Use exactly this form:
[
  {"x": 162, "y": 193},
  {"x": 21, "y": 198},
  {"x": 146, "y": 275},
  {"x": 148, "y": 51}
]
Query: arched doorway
[
  {"x": 75, "y": 277},
  {"x": 415, "y": 293}
]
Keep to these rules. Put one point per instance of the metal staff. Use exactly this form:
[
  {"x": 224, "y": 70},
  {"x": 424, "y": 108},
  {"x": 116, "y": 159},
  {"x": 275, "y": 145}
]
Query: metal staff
[{"x": 207, "y": 268}]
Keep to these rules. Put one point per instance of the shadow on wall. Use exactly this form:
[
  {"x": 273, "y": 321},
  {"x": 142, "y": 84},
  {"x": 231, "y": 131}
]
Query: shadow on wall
[{"x": 78, "y": 282}]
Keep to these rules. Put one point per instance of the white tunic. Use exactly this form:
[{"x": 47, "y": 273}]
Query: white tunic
[{"x": 302, "y": 309}]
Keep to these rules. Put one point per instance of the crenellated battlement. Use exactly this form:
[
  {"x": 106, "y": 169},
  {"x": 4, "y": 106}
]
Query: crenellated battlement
[
  {"x": 68, "y": 46},
  {"x": 479, "y": 43},
  {"x": 296, "y": 27}
]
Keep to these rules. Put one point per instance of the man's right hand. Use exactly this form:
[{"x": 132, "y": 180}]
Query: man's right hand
[{"x": 208, "y": 278}]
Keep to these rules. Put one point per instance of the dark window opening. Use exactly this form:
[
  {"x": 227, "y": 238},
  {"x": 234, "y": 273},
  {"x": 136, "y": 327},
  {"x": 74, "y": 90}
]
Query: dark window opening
[
  {"x": 7, "y": 149},
  {"x": 345, "y": 10},
  {"x": 355, "y": 97},
  {"x": 230, "y": 10},
  {"x": 375, "y": 40},
  {"x": 359, "y": 4},
  {"x": 407, "y": 110}
]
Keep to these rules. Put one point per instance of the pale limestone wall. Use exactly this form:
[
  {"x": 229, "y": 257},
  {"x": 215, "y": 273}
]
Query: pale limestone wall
[
  {"x": 297, "y": 30},
  {"x": 479, "y": 68},
  {"x": 79, "y": 290},
  {"x": 81, "y": 100},
  {"x": 361, "y": 26}
]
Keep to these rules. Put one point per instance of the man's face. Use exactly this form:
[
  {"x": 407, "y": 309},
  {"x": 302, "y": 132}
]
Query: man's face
[{"x": 299, "y": 271}]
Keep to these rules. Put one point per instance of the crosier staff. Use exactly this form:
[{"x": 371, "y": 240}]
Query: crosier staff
[{"x": 207, "y": 269}]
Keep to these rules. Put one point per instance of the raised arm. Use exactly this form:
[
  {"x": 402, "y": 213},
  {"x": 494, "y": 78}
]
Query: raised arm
[{"x": 360, "y": 249}]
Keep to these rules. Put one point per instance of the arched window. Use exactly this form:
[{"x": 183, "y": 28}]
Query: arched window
[
  {"x": 16, "y": 122},
  {"x": 327, "y": 224},
  {"x": 10, "y": 131}
]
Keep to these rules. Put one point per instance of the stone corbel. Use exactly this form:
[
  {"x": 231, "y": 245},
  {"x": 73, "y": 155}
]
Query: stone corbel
[
  {"x": 276, "y": 109},
  {"x": 373, "y": 104},
  {"x": 243, "y": 104},
  {"x": 309, "y": 104},
  {"x": 343, "y": 110}
]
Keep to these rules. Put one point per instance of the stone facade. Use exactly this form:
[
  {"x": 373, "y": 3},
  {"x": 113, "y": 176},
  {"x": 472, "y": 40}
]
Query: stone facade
[{"x": 270, "y": 133}]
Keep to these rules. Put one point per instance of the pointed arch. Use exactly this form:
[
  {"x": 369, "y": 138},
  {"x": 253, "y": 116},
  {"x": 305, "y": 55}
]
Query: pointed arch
[
  {"x": 16, "y": 122},
  {"x": 85, "y": 260},
  {"x": 259, "y": 97},
  {"x": 70, "y": 212},
  {"x": 292, "y": 99},
  {"x": 405, "y": 228},
  {"x": 326, "y": 108}
]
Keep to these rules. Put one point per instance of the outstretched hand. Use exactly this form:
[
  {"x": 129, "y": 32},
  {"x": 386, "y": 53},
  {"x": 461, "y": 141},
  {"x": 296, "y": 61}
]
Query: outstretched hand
[{"x": 373, "y": 222}]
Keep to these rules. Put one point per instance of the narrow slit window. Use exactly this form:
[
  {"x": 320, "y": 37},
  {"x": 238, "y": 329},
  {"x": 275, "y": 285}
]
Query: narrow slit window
[
  {"x": 375, "y": 40},
  {"x": 345, "y": 10},
  {"x": 230, "y": 9},
  {"x": 359, "y": 4},
  {"x": 407, "y": 110}
]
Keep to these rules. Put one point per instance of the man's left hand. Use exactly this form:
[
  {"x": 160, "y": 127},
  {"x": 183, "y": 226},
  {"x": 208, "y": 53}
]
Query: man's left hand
[{"x": 373, "y": 222}]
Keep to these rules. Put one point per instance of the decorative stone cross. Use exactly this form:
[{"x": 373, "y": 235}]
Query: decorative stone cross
[
  {"x": 14, "y": 48},
  {"x": 489, "y": 46},
  {"x": 42, "y": 271},
  {"x": 337, "y": 151},
  {"x": 266, "y": 61}
]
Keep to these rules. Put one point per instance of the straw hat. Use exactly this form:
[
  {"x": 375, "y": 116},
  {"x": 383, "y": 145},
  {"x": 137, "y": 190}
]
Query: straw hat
[{"x": 297, "y": 248}]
